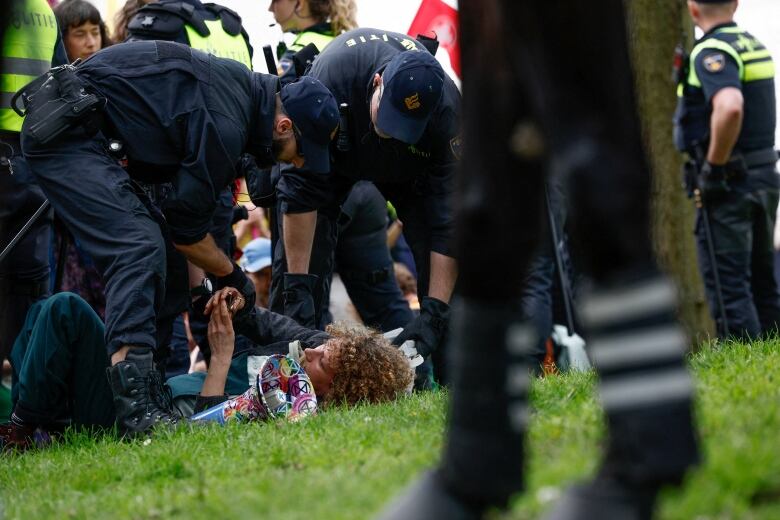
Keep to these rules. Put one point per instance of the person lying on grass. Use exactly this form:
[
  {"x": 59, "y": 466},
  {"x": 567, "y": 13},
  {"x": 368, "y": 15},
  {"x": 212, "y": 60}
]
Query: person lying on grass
[{"x": 59, "y": 362}]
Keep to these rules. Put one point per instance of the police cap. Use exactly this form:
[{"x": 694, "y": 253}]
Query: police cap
[
  {"x": 413, "y": 82},
  {"x": 315, "y": 113}
]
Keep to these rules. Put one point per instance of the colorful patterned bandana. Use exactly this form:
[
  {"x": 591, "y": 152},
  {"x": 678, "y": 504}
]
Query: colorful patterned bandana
[{"x": 282, "y": 389}]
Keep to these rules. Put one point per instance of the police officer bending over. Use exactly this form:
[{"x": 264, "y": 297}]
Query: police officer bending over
[
  {"x": 726, "y": 122},
  {"x": 403, "y": 136},
  {"x": 183, "y": 117}
]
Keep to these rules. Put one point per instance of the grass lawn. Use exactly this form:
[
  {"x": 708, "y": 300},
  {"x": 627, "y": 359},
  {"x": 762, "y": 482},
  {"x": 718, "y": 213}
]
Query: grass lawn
[{"x": 348, "y": 463}]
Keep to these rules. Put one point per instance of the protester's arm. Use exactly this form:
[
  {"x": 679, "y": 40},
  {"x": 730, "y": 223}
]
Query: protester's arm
[{"x": 222, "y": 342}]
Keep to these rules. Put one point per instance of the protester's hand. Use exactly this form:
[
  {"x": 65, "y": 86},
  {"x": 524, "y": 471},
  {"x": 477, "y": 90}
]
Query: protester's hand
[
  {"x": 232, "y": 298},
  {"x": 427, "y": 329},
  {"x": 220, "y": 333}
]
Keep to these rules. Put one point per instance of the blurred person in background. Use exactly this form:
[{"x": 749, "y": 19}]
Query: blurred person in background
[
  {"x": 83, "y": 30},
  {"x": 123, "y": 17},
  {"x": 28, "y": 50}
]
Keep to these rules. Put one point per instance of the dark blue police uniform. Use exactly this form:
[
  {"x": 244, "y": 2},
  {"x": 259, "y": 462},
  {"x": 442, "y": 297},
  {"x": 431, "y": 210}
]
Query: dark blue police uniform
[
  {"x": 418, "y": 179},
  {"x": 184, "y": 117},
  {"x": 742, "y": 220}
]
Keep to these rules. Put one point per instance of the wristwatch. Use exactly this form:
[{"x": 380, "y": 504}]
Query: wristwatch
[{"x": 206, "y": 288}]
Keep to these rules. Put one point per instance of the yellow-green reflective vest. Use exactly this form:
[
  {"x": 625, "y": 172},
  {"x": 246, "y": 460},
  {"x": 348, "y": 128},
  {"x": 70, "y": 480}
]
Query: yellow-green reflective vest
[
  {"x": 220, "y": 43},
  {"x": 752, "y": 57},
  {"x": 28, "y": 47},
  {"x": 305, "y": 38}
]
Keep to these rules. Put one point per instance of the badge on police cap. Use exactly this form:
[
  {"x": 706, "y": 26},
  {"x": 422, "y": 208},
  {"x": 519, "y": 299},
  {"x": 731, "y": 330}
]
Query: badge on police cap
[{"x": 715, "y": 62}]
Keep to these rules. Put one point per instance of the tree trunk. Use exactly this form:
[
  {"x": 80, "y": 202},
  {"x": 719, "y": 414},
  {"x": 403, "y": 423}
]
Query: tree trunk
[{"x": 655, "y": 28}]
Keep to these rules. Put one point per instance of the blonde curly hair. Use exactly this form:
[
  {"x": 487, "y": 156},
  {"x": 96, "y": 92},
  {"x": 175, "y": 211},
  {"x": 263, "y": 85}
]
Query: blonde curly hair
[
  {"x": 341, "y": 13},
  {"x": 368, "y": 368}
]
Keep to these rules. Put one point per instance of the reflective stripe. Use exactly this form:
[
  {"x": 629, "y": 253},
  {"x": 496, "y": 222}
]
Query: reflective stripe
[
  {"x": 759, "y": 71},
  {"x": 712, "y": 43},
  {"x": 730, "y": 30},
  {"x": 638, "y": 347},
  {"x": 220, "y": 43},
  {"x": 27, "y": 52},
  {"x": 607, "y": 307},
  {"x": 26, "y": 66},
  {"x": 519, "y": 337},
  {"x": 755, "y": 55},
  {"x": 518, "y": 379},
  {"x": 638, "y": 390}
]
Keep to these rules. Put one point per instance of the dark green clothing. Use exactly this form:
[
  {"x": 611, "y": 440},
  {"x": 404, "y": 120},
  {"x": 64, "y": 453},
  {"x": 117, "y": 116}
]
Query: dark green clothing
[{"x": 60, "y": 362}]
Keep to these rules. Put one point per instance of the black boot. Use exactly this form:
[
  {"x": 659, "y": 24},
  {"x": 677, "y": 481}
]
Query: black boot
[
  {"x": 482, "y": 465},
  {"x": 140, "y": 397}
]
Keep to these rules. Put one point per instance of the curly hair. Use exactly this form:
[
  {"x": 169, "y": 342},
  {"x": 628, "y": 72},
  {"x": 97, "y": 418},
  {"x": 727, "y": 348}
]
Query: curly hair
[
  {"x": 341, "y": 13},
  {"x": 368, "y": 368}
]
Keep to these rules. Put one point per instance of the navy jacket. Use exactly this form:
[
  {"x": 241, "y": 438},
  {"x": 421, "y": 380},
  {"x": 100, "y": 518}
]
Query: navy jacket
[
  {"x": 184, "y": 117},
  {"x": 347, "y": 67}
]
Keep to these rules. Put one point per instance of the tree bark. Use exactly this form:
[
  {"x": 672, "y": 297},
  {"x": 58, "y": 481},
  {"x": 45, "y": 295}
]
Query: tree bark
[{"x": 655, "y": 28}]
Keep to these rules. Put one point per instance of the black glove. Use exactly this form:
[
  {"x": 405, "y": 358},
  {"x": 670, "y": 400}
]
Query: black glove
[
  {"x": 712, "y": 182},
  {"x": 239, "y": 213},
  {"x": 238, "y": 279},
  {"x": 427, "y": 329},
  {"x": 299, "y": 299}
]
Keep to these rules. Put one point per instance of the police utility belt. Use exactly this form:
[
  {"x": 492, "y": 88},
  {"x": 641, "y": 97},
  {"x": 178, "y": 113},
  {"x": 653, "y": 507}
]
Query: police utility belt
[
  {"x": 56, "y": 102},
  {"x": 735, "y": 169}
]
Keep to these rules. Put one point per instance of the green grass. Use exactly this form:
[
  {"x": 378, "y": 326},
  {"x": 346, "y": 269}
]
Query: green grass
[{"x": 348, "y": 463}]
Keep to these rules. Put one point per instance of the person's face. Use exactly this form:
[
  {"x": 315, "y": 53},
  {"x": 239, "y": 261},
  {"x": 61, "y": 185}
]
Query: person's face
[
  {"x": 284, "y": 13},
  {"x": 83, "y": 41},
  {"x": 318, "y": 364},
  {"x": 262, "y": 281},
  {"x": 285, "y": 142},
  {"x": 376, "y": 97}
]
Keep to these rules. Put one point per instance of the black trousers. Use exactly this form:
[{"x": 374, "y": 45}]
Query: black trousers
[
  {"x": 742, "y": 225},
  {"x": 548, "y": 90},
  {"x": 24, "y": 274}
]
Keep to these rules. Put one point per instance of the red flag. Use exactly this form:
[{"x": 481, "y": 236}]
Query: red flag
[{"x": 441, "y": 19}]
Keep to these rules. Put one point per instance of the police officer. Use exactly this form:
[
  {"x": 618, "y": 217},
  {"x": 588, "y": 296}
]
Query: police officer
[
  {"x": 183, "y": 117},
  {"x": 401, "y": 133},
  {"x": 217, "y": 30},
  {"x": 210, "y": 28},
  {"x": 31, "y": 45},
  {"x": 726, "y": 122},
  {"x": 314, "y": 22},
  {"x": 521, "y": 121},
  {"x": 364, "y": 264}
]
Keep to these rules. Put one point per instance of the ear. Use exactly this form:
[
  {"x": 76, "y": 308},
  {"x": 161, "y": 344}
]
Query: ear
[{"x": 283, "y": 124}]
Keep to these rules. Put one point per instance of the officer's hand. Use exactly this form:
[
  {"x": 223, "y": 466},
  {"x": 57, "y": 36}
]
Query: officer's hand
[
  {"x": 427, "y": 329},
  {"x": 238, "y": 280},
  {"x": 712, "y": 182}
]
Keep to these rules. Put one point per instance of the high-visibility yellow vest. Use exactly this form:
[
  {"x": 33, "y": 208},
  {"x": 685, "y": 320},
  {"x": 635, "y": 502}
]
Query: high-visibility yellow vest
[
  {"x": 28, "y": 48},
  {"x": 306, "y": 37},
  {"x": 220, "y": 43}
]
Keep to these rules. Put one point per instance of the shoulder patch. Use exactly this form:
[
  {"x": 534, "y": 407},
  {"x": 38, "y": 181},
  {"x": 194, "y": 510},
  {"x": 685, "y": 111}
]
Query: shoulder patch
[{"x": 715, "y": 62}]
